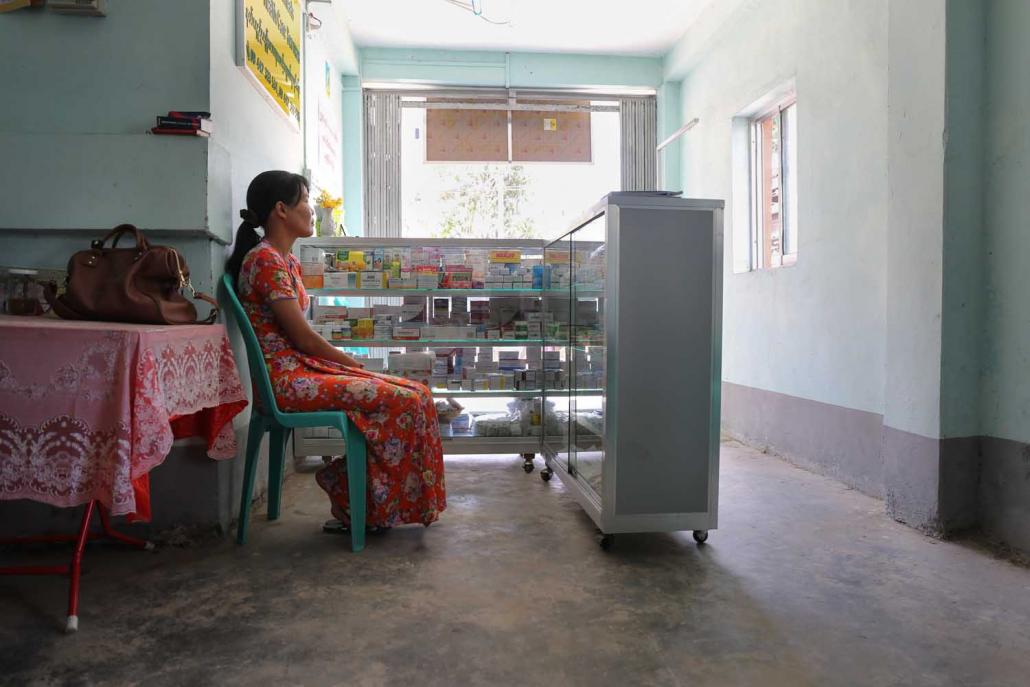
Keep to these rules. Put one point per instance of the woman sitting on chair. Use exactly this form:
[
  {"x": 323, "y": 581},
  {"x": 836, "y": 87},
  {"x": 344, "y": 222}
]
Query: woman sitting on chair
[{"x": 397, "y": 416}]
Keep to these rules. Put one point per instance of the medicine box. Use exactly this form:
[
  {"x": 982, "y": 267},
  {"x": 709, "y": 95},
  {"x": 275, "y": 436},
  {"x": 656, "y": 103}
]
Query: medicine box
[
  {"x": 328, "y": 313},
  {"x": 422, "y": 362},
  {"x": 407, "y": 333},
  {"x": 372, "y": 280},
  {"x": 371, "y": 364},
  {"x": 340, "y": 280}
]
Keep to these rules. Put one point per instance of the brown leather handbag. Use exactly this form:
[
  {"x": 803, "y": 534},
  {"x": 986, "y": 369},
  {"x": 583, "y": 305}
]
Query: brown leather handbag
[{"x": 141, "y": 284}]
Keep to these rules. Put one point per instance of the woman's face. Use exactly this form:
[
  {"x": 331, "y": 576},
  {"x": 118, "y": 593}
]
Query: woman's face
[{"x": 300, "y": 219}]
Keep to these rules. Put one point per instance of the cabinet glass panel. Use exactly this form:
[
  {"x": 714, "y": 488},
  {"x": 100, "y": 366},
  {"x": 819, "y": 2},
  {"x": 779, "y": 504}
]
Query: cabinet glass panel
[
  {"x": 588, "y": 352},
  {"x": 463, "y": 316},
  {"x": 557, "y": 351}
]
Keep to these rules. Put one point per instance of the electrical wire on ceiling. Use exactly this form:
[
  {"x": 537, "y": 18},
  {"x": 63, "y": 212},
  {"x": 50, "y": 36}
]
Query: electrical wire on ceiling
[{"x": 476, "y": 8}]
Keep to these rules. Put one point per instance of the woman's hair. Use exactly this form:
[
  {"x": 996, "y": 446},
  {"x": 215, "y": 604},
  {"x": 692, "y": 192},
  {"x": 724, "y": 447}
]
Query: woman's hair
[{"x": 267, "y": 189}]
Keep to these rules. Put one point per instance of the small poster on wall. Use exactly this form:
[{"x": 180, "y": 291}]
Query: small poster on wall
[
  {"x": 268, "y": 48},
  {"x": 328, "y": 171}
]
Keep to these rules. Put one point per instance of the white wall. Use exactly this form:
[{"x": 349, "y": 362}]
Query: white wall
[
  {"x": 323, "y": 139},
  {"x": 915, "y": 173},
  {"x": 251, "y": 135},
  {"x": 815, "y": 330}
]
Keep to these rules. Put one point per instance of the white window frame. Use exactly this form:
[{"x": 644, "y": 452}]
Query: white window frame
[{"x": 756, "y": 228}]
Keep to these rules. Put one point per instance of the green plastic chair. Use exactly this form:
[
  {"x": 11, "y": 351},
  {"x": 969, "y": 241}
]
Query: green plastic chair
[{"x": 265, "y": 416}]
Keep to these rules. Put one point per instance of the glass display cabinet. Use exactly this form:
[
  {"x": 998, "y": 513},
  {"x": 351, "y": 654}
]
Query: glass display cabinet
[
  {"x": 633, "y": 311},
  {"x": 463, "y": 316}
]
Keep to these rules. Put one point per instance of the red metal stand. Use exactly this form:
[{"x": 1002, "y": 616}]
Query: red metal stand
[{"x": 73, "y": 569}]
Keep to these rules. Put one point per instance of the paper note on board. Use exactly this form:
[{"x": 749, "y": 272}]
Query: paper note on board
[{"x": 550, "y": 124}]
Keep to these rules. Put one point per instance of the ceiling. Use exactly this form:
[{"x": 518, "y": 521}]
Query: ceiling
[{"x": 617, "y": 27}]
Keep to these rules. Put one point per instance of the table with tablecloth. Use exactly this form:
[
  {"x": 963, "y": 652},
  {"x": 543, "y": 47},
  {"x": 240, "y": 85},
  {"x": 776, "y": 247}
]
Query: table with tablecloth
[{"x": 88, "y": 409}]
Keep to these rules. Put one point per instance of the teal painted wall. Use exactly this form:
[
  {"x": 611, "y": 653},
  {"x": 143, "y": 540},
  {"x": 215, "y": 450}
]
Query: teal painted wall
[
  {"x": 1005, "y": 392},
  {"x": 963, "y": 232},
  {"x": 102, "y": 76},
  {"x": 80, "y": 94}
]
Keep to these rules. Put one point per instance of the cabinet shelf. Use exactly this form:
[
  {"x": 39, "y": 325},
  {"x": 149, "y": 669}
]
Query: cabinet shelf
[
  {"x": 511, "y": 393},
  {"x": 398, "y": 293},
  {"x": 434, "y": 343},
  {"x": 468, "y": 443}
]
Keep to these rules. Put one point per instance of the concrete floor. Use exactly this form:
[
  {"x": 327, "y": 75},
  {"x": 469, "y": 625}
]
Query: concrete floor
[{"x": 805, "y": 583}]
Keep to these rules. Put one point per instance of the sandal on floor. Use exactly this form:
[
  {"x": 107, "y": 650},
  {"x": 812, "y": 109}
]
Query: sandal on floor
[{"x": 340, "y": 524}]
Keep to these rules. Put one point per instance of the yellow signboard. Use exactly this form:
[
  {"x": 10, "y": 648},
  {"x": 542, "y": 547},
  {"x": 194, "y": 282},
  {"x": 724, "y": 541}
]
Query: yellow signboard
[{"x": 271, "y": 50}]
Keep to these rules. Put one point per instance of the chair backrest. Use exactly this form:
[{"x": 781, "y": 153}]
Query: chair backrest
[{"x": 255, "y": 357}]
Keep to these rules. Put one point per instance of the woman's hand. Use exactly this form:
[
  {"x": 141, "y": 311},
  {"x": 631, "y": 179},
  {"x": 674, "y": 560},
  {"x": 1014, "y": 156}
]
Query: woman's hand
[
  {"x": 351, "y": 362},
  {"x": 305, "y": 339}
]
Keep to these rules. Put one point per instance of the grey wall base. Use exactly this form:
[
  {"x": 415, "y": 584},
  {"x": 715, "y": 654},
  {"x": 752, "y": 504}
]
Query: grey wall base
[
  {"x": 940, "y": 486},
  {"x": 931, "y": 484},
  {"x": 831, "y": 440},
  {"x": 1004, "y": 503}
]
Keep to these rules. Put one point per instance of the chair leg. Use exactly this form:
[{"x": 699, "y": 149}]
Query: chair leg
[
  {"x": 276, "y": 470},
  {"x": 254, "y": 436},
  {"x": 356, "y": 484}
]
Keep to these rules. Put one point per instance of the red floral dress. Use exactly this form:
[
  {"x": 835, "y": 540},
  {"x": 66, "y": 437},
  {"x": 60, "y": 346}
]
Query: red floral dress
[{"x": 396, "y": 415}]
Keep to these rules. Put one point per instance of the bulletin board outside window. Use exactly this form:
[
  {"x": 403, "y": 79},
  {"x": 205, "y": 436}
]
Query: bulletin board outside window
[
  {"x": 471, "y": 135},
  {"x": 268, "y": 43}
]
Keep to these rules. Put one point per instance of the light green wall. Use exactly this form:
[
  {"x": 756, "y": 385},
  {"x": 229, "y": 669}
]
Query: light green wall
[
  {"x": 670, "y": 118},
  {"x": 814, "y": 330},
  {"x": 1005, "y": 392},
  {"x": 353, "y": 155}
]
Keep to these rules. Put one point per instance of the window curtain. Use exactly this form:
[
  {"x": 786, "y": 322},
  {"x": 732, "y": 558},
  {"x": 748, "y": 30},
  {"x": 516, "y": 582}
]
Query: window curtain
[
  {"x": 639, "y": 132},
  {"x": 382, "y": 164}
]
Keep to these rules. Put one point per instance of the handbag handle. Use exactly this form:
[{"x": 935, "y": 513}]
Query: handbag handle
[
  {"x": 186, "y": 284},
  {"x": 118, "y": 232}
]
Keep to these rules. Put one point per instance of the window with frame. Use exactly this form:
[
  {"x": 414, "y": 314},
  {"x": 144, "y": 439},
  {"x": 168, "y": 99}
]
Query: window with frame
[{"x": 773, "y": 226}]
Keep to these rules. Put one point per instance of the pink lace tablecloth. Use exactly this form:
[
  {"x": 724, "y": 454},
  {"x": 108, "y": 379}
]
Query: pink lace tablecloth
[{"x": 87, "y": 409}]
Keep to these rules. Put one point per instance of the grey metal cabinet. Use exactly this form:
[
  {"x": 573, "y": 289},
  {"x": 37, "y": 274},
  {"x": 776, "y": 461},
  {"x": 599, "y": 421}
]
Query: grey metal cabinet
[{"x": 635, "y": 325}]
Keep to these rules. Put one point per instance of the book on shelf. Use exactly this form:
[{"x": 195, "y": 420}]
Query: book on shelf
[
  {"x": 185, "y": 123},
  {"x": 170, "y": 131},
  {"x": 189, "y": 114}
]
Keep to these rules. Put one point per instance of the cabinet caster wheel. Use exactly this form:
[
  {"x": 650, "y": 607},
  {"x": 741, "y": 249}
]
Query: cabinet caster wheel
[
  {"x": 606, "y": 541},
  {"x": 700, "y": 536},
  {"x": 527, "y": 462},
  {"x": 546, "y": 473}
]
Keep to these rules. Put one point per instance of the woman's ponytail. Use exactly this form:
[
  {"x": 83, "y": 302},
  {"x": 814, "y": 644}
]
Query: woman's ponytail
[
  {"x": 246, "y": 238},
  {"x": 267, "y": 189}
]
